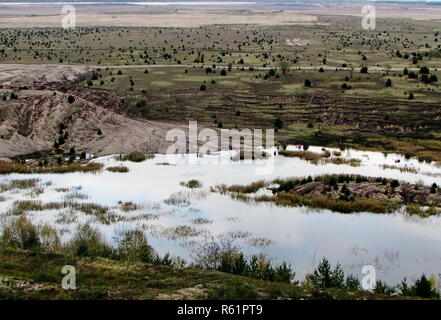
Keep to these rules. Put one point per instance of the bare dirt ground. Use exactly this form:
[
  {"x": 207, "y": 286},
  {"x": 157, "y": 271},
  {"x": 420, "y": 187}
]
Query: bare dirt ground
[
  {"x": 30, "y": 123},
  {"x": 25, "y": 16},
  {"x": 185, "y": 19}
]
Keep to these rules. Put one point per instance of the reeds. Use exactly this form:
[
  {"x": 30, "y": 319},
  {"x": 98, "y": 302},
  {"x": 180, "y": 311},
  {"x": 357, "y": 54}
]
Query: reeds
[{"x": 7, "y": 167}]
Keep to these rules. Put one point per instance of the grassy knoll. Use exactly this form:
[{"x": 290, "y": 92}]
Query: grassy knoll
[{"x": 27, "y": 275}]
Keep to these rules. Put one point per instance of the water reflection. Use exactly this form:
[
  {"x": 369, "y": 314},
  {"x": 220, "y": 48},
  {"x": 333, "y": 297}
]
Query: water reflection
[{"x": 178, "y": 219}]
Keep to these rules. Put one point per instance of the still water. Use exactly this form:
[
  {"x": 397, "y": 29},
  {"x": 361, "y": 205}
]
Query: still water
[{"x": 178, "y": 220}]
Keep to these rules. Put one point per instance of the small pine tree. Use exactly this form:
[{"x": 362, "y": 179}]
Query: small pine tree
[
  {"x": 423, "y": 288},
  {"x": 278, "y": 123},
  {"x": 70, "y": 99}
]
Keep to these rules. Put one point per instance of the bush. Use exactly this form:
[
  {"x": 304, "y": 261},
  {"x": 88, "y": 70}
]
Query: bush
[
  {"x": 88, "y": 242},
  {"x": 70, "y": 99},
  {"x": 364, "y": 70},
  {"x": 133, "y": 246},
  {"x": 135, "y": 156},
  {"x": 120, "y": 169},
  {"x": 223, "y": 72},
  {"x": 395, "y": 184},
  {"x": 424, "y": 70},
  {"x": 21, "y": 234},
  {"x": 278, "y": 123},
  {"x": 192, "y": 184},
  {"x": 203, "y": 87},
  {"x": 50, "y": 241},
  {"x": 307, "y": 83}
]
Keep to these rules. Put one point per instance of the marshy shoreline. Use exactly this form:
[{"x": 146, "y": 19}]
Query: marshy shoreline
[{"x": 125, "y": 193}]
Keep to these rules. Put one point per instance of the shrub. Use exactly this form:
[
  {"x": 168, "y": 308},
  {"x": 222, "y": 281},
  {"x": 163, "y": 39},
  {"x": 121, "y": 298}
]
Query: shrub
[
  {"x": 135, "y": 156},
  {"x": 223, "y": 72},
  {"x": 20, "y": 233},
  {"x": 424, "y": 70},
  {"x": 88, "y": 242},
  {"x": 70, "y": 99},
  {"x": 278, "y": 123},
  {"x": 192, "y": 184},
  {"x": 120, "y": 169},
  {"x": 133, "y": 246},
  {"x": 395, "y": 184},
  {"x": 412, "y": 75},
  {"x": 364, "y": 70},
  {"x": 203, "y": 87},
  {"x": 50, "y": 241},
  {"x": 307, "y": 83}
]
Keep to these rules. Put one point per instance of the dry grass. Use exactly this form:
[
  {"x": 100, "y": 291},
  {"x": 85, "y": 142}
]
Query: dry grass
[
  {"x": 251, "y": 188},
  {"x": 305, "y": 155},
  {"x": 7, "y": 167},
  {"x": 325, "y": 202},
  {"x": 339, "y": 161},
  {"x": 19, "y": 184},
  {"x": 120, "y": 169}
]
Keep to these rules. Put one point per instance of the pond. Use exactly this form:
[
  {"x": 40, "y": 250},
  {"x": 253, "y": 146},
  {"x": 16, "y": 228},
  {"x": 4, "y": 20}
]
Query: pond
[{"x": 179, "y": 220}]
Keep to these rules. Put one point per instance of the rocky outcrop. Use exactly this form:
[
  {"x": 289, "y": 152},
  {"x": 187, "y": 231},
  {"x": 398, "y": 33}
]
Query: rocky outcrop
[
  {"x": 406, "y": 193},
  {"x": 312, "y": 188},
  {"x": 30, "y": 122}
]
